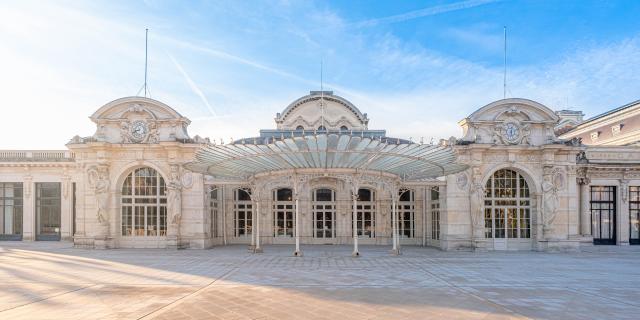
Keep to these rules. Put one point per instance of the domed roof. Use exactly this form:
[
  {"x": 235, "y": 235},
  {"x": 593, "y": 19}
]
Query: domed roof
[{"x": 337, "y": 108}]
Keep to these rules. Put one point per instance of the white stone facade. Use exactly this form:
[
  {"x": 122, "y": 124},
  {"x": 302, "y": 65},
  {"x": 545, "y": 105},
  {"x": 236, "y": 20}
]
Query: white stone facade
[{"x": 126, "y": 187}]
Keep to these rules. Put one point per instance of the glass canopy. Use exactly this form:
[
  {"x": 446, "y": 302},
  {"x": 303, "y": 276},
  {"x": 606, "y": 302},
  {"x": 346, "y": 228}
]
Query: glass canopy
[{"x": 409, "y": 161}]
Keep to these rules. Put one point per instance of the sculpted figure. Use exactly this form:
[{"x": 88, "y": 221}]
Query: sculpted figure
[
  {"x": 153, "y": 133},
  {"x": 174, "y": 193},
  {"x": 477, "y": 198},
  {"x": 124, "y": 132},
  {"x": 102, "y": 195},
  {"x": 526, "y": 132},
  {"x": 497, "y": 135}
]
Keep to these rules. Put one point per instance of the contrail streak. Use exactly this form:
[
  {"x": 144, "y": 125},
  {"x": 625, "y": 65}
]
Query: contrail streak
[
  {"x": 192, "y": 85},
  {"x": 430, "y": 11}
]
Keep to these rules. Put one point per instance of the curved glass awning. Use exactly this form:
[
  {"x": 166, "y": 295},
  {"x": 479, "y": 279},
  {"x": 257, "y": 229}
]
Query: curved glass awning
[{"x": 407, "y": 160}]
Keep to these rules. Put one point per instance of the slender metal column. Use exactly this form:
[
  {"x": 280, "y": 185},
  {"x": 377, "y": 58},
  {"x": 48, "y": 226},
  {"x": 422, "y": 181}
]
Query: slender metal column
[
  {"x": 224, "y": 217},
  {"x": 297, "y": 253},
  {"x": 258, "y": 249},
  {"x": 355, "y": 253},
  {"x": 394, "y": 228},
  {"x": 253, "y": 224},
  {"x": 424, "y": 217}
]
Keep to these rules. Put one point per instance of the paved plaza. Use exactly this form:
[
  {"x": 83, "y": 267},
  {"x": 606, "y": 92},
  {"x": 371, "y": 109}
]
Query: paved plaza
[{"x": 56, "y": 281}]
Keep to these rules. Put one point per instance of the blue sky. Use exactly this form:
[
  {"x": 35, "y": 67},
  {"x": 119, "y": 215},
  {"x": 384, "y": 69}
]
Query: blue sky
[{"x": 416, "y": 67}]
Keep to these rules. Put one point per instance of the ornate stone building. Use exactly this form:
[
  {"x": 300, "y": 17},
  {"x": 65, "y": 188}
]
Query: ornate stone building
[{"x": 521, "y": 177}]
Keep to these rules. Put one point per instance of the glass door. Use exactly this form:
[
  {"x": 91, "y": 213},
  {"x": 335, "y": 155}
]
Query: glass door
[
  {"x": 634, "y": 215},
  {"x": 324, "y": 213},
  {"x": 603, "y": 214},
  {"x": 48, "y": 204},
  {"x": 10, "y": 211}
]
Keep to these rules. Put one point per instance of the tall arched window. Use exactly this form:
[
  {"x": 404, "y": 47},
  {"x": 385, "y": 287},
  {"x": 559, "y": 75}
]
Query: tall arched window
[
  {"x": 283, "y": 206},
  {"x": 507, "y": 211},
  {"x": 242, "y": 212},
  {"x": 324, "y": 213},
  {"x": 144, "y": 204},
  {"x": 366, "y": 213}
]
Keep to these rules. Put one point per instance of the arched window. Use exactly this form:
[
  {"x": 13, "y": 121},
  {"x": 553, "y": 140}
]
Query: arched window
[
  {"x": 344, "y": 129},
  {"x": 242, "y": 212},
  {"x": 322, "y": 128},
  {"x": 283, "y": 217},
  {"x": 324, "y": 213},
  {"x": 144, "y": 204},
  {"x": 406, "y": 210},
  {"x": 366, "y": 213},
  {"x": 507, "y": 211},
  {"x": 299, "y": 128}
]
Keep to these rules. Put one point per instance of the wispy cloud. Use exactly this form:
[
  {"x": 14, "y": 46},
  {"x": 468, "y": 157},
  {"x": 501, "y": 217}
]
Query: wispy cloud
[
  {"x": 194, "y": 87},
  {"x": 430, "y": 11}
]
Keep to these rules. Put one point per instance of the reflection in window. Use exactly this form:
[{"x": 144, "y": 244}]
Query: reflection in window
[
  {"x": 242, "y": 212},
  {"x": 11, "y": 210},
  {"x": 435, "y": 213},
  {"x": 406, "y": 210},
  {"x": 48, "y": 210},
  {"x": 144, "y": 204},
  {"x": 634, "y": 215},
  {"x": 283, "y": 207},
  {"x": 324, "y": 213},
  {"x": 603, "y": 214},
  {"x": 507, "y": 206},
  {"x": 366, "y": 213}
]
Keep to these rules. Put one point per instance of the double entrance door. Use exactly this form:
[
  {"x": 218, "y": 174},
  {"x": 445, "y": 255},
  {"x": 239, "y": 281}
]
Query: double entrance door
[{"x": 603, "y": 214}]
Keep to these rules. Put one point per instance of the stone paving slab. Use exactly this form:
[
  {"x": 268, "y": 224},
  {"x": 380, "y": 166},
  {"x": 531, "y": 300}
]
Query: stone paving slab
[{"x": 41, "y": 280}]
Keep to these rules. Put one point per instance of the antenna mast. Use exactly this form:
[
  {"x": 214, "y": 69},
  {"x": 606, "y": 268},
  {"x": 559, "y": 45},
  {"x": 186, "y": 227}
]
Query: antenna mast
[
  {"x": 321, "y": 96},
  {"x": 504, "y": 81},
  {"x": 146, "y": 41}
]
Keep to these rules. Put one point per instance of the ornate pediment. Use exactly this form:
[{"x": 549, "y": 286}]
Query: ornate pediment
[
  {"x": 138, "y": 120},
  {"x": 511, "y": 122}
]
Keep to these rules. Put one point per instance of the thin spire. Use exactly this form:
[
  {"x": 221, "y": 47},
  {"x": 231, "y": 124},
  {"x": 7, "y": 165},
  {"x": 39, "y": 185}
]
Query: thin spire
[
  {"x": 504, "y": 81},
  {"x": 146, "y": 47}
]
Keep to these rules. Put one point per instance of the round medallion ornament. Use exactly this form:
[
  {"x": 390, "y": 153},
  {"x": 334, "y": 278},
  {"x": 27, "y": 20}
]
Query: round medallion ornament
[
  {"x": 511, "y": 131},
  {"x": 139, "y": 131}
]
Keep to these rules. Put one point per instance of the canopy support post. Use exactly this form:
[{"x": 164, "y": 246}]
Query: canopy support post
[
  {"x": 258, "y": 248},
  {"x": 394, "y": 221},
  {"x": 355, "y": 253},
  {"x": 298, "y": 252}
]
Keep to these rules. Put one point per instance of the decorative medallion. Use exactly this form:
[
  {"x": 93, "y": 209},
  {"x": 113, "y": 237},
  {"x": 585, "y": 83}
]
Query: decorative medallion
[{"x": 462, "y": 180}]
